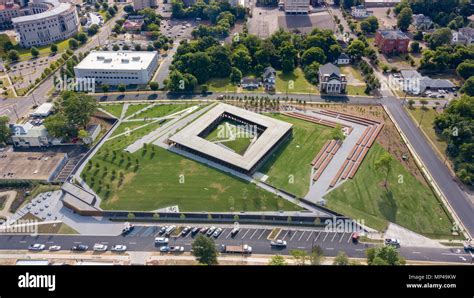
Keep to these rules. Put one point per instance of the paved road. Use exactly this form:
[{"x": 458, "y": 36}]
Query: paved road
[
  {"x": 453, "y": 192},
  {"x": 142, "y": 239}
]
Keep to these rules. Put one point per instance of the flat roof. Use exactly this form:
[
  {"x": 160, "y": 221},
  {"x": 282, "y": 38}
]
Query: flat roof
[
  {"x": 29, "y": 165},
  {"x": 120, "y": 60},
  {"x": 56, "y": 9},
  {"x": 275, "y": 130},
  {"x": 44, "y": 109}
]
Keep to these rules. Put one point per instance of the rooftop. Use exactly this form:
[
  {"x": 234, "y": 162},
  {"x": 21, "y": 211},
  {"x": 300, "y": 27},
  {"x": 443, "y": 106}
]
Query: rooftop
[
  {"x": 393, "y": 34},
  {"x": 29, "y": 165},
  {"x": 329, "y": 69},
  {"x": 57, "y": 8},
  {"x": 120, "y": 60},
  {"x": 275, "y": 130}
]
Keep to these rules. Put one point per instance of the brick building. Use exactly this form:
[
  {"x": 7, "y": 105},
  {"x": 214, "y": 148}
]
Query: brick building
[{"x": 392, "y": 41}]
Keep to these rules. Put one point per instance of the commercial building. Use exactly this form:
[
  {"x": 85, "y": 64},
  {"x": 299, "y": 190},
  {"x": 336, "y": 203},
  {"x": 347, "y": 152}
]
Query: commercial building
[
  {"x": 141, "y": 4},
  {"x": 414, "y": 83},
  {"x": 296, "y": 6},
  {"x": 331, "y": 80},
  {"x": 381, "y": 3},
  {"x": 271, "y": 133},
  {"x": 392, "y": 41},
  {"x": 29, "y": 135},
  {"x": 8, "y": 11},
  {"x": 47, "y": 21},
  {"x": 114, "y": 68}
]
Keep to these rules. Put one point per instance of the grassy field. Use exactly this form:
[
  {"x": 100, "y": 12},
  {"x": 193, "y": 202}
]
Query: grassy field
[
  {"x": 156, "y": 178},
  {"x": 128, "y": 125},
  {"x": 356, "y": 90},
  {"x": 294, "y": 83},
  {"x": 161, "y": 110},
  {"x": 293, "y": 158},
  {"x": 221, "y": 85},
  {"x": 410, "y": 203},
  {"x": 230, "y": 135},
  {"x": 135, "y": 108},
  {"x": 427, "y": 117},
  {"x": 114, "y": 109},
  {"x": 25, "y": 53}
]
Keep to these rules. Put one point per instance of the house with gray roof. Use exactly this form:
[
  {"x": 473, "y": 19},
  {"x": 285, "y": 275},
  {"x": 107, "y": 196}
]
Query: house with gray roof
[
  {"x": 422, "y": 22},
  {"x": 269, "y": 78},
  {"x": 331, "y": 80},
  {"x": 414, "y": 83},
  {"x": 463, "y": 36}
]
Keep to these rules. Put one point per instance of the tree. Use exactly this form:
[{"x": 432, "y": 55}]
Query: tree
[
  {"x": 13, "y": 55},
  {"x": 235, "y": 75},
  {"x": 404, "y": 18},
  {"x": 105, "y": 88},
  {"x": 300, "y": 256},
  {"x": 73, "y": 44},
  {"x": 385, "y": 255},
  {"x": 411, "y": 102},
  {"x": 384, "y": 163},
  {"x": 121, "y": 88},
  {"x": 81, "y": 37},
  {"x": 356, "y": 49},
  {"x": 34, "y": 52},
  {"x": 341, "y": 259},
  {"x": 415, "y": 47},
  {"x": 369, "y": 25},
  {"x": 5, "y": 131},
  {"x": 440, "y": 37},
  {"x": 466, "y": 69},
  {"x": 57, "y": 125},
  {"x": 313, "y": 55},
  {"x": 54, "y": 48},
  {"x": 154, "y": 86},
  {"x": 138, "y": 47},
  {"x": 468, "y": 87},
  {"x": 77, "y": 108},
  {"x": 93, "y": 29},
  {"x": 277, "y": 260},
  {"x": 128, "y": 8},
  {"x": 316, "y": 257},
  {"x": 204, "y": 249},
  {"x": 337, "y": 133}
]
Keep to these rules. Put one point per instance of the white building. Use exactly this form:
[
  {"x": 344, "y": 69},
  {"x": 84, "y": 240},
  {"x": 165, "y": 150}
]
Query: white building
[
  {"x": 360, "y": 12},
  {"x": 114, "y": 68},
  {"x": 463, "y": 36},
  {"x": 343, "y": 59},
  {"x": 28, "y": 135},
  {"x": 331, "y": 80},
  {"x": 296, "y": 6},
  {"x": 141, "y": 4},
  {"x": 47, "y": 21},
  {"x": 43, "y": 110}
]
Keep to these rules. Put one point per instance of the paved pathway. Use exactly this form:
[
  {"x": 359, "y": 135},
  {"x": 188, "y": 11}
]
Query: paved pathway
[
  {"x": 11, "y": 195},
  {"x": 409, "y": 238}
]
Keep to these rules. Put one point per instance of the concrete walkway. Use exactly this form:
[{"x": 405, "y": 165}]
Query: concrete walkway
[
  {"x": 410, "y": 238},
  {"x": 319, "y": 189}
]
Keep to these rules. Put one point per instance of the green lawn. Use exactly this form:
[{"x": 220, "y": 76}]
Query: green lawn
[
  {"x": 128, "y": 125},
  {"x": 231, "y": 135},
  {"x": 410, "y": 203},
  {"x": 427, "y": 117},
  {"x": 164, "y": 179},
  {"x": 25, "y": 53},
  {"x": 221, "y": 85},
  {"x": 356, "y": 90},
  {"x": 161, "y": 110},
  {"x": 293, "y": 158},
  {"x": 114, "y": 109},
  {"x": 133, "y": 108},
  {"x": 294, "y": 83}
]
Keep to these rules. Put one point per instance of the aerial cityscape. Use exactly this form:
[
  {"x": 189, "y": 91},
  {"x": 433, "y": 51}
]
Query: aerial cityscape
[{"x": 237, "y": 132}]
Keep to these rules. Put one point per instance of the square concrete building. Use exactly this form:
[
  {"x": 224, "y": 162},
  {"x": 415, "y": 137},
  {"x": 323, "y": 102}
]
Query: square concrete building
[{"x": 270, "y": 134}]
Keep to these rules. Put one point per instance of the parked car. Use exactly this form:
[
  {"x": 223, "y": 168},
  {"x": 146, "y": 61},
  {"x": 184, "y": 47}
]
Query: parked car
[
  {"x": 186, "y": 231},
  {"x": 162, "y": 230},
  {"x": 468, "y": 246},
  {"x": 170, "y": 230},
  {"x": 234, "y": 232},
  {"x": 100, "y": 247},
  {"x": 210, "y": 231},
  {"x": 119, "y": 248},
  {"x": 36, "y": 247},
  {"x": 128, "y": 228},
  {"x": 161, "y": 240},
  {"x": 165, "y": 248},
  {"x": 80, "y": 247},
  {"x": 355, "y": 237},
  {"x": 176, "y": 249},
  {"x": 195, "y": 231},
  {"x": 54, "y": 248},
  {"x": 278, "y": 243},
  {"x": 204, "y": 230},
  {"x": 392, "y": 242},
  {"x": 217, "y": 232}
]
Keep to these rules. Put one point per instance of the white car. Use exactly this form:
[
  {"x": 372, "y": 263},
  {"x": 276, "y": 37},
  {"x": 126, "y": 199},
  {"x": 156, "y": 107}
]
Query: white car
[
  {"x": 217, "y": 232},
  {"x": 119, "y": 248},
  {"x": 176, "y": 249},
  {"x": 392, "y": 241},
  {"x": 36, "y": 247},
  {"x": 161, "y": 240},
  {"x": 278, "y": 243},
  {"x": 54, "y": 248},
  {"x": 100, "y": 247}
]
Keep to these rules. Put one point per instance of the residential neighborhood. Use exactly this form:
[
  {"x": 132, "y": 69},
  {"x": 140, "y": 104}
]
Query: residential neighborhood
[{"x": 221, "y": 132}]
